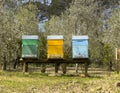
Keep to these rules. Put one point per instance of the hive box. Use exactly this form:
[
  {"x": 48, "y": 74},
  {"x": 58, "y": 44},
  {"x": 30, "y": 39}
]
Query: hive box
[
  {"x": 79, "y": 47},
  {"x": 29, "y": 46},
  {"x": 55, "y": 47}
]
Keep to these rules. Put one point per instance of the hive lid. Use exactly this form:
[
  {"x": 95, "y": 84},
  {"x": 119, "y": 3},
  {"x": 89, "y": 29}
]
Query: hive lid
[
  {"x": 29, "y": 37},
  {"x": 55, "y": 37},
  {"x": 80, "y": 37}
]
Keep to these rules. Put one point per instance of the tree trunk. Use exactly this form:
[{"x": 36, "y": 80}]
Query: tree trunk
[
  {"x": 4, "y": 67},
  {"x": 0, "y": 60}
]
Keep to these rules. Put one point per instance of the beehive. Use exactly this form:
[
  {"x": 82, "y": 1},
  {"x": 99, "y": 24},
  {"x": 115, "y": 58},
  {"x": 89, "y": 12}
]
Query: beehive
[
  {"x": 80, "y": 46},
  {"x": 55, "y": 47},
  {"x": 29, "y": 46}
]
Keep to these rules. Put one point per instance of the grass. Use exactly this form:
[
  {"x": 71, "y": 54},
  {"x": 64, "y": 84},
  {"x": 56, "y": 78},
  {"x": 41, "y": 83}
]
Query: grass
[{"x": 18, "y": 82}]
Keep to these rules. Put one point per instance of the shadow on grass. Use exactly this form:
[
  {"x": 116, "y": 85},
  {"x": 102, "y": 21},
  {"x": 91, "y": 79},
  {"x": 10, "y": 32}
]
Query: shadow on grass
[
  {"x": 42, "y": 75},
  {"x": 82, "y": 76},
  {"x": 95, "y": 76}
]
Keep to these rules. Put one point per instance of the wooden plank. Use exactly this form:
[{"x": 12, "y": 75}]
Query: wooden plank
[
  {"x": 83, "y": 60},
  {"x": 86, "y": 70},
  {"x": 57, "y": 62},
  {"x": 25, "y": 66}
]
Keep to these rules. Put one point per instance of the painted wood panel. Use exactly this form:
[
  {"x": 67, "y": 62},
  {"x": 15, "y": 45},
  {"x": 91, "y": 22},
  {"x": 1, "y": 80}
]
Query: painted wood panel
[
  {"x": 55, "y": 47},
  {"x": 55, "y": 51},
  {"x": 80, "y": 51},
  {"x": 55, "y": 42},
  {"x": 29, "y": 46},
  {"x": 80, "y": 47}
]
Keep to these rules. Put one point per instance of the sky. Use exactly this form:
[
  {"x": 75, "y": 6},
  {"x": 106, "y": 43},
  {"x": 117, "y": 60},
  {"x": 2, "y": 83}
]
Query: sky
[
  {"x": 48, "y": 2},
  {"x": 41, "y": 23}
]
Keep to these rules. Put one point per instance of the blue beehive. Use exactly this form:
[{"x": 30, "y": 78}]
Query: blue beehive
[{"x": 80, "y": 46}]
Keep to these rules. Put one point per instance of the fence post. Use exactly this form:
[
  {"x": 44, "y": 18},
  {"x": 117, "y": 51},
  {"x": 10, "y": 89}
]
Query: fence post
[{"x": 117, "y": 60}]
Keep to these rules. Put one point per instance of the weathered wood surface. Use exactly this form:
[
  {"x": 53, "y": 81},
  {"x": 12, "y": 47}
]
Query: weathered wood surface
[
  {"x": 30, "y": 60},
  {"x": 84, "y": 61}
]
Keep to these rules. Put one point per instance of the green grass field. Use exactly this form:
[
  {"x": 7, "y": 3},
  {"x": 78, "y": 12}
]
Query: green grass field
[{"x": 18, "y": 82}]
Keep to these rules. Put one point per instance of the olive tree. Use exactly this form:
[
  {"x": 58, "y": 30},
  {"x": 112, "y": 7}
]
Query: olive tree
[
  {"x": 80, "y": 19},
  {"x": 15, "y": 23},
  {"x": 111, "y": 37}
]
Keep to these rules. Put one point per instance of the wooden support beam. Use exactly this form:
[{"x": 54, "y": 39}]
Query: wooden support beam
[
  {"x": 57, "y": 63},
  {"x": 25, "y": 66},
  {"x": 57, "y": 67},
  {"x": 86, "y": 69}
]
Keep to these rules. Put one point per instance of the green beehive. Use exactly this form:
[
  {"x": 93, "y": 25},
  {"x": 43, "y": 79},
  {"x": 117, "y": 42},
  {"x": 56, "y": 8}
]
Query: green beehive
[{"x": 29, "y": 46}]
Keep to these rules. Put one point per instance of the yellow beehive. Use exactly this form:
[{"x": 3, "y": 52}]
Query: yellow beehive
[{"x": 55, "y": 47}]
